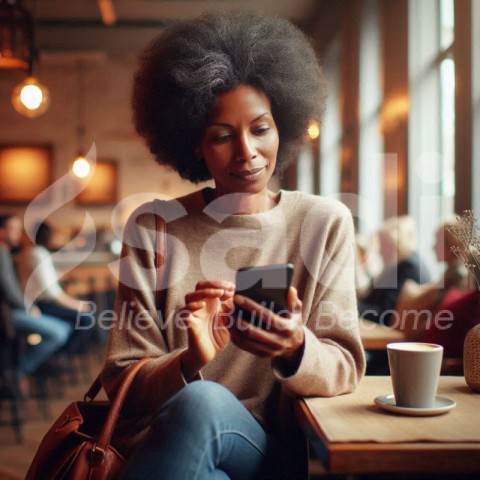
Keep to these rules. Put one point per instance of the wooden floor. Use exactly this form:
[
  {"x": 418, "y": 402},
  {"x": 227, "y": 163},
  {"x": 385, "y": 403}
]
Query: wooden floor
[{"x": 14, "y": 458}]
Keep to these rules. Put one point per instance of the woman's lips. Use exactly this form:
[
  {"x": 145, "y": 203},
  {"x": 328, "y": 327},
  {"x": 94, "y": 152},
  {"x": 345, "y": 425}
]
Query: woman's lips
[{"x": 249, "y": 175}]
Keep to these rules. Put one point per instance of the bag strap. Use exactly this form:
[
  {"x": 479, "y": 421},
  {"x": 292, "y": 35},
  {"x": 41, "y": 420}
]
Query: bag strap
[
  {"x": 105, "y": 435},
  {"x": 160, "y": 259},
  {"x": 160, "y": 255},
  {"x": 94, "y": 389}
]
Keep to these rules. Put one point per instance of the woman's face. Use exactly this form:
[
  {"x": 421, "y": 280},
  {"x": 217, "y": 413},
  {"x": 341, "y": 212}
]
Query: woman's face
[{"x": 240, "y": 142}]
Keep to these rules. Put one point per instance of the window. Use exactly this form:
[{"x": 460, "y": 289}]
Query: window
[
  {"x": 330, "y": 138},
  {"x": 447, "y": 104},
  {"x": 371, "y": 156},
  {"x": 432, "y": 119},
  {"x": 305, "y": 169}
]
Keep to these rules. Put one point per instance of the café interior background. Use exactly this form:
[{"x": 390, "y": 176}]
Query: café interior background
[{"x": 401, "y": 131}]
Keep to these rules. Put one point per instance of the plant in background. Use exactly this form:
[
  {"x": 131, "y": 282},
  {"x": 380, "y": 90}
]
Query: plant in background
[
  {"x": 469, "y": 251},
  {"x": 469, "y": 254}
]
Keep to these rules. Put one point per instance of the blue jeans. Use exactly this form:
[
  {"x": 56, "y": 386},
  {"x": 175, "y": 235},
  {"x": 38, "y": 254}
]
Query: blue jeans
[
  {"x": 81, "y": 337},
  {"x": 205, "y": 433},
  {"x": 54, "y": 333}
]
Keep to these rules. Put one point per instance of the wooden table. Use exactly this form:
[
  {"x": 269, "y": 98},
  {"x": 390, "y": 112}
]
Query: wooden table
[
  {"x": 376, "y": 337},
  {"x": 351, "y": 435}
]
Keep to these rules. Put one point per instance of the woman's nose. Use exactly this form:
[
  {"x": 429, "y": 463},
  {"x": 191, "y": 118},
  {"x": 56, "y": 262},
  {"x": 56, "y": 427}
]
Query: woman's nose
[{"x": 245, "y": 148}]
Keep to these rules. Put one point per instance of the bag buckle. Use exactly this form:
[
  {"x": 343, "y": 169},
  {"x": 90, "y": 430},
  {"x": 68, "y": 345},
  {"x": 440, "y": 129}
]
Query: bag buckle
[{"x": 97, "y": 454}]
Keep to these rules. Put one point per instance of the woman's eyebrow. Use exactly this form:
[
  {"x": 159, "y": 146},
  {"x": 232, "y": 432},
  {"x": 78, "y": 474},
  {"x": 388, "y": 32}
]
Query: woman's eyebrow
[{"x": 221, "y": 124}]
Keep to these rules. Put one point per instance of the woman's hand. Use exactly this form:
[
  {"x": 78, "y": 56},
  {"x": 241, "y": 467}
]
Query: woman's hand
[
  {"x": 205, "y": 316},
  {"x": 281, "y": 338}
]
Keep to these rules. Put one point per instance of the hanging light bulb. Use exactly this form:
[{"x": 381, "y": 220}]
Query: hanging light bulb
[
  {"x": 81, "y": 167},
  {"x": 313, "y": 130},
  {"x": 18, "y": 51},
  {"x": 30, "y": 97}
]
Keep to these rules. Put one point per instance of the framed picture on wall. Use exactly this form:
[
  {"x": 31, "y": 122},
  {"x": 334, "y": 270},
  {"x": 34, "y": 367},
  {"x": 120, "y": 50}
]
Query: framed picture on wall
[
  {"x": 25, "y": 172},
  {"x": 102, "y": 186}
]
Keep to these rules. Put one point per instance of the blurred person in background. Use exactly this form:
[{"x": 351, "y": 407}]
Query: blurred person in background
[
  {"x": 418, "y": 303},
  {"x": 40, "y": 281},
  {"x": 449, "y": 297},
  {"x": 398, "y": 243},
  {"x": 27, "y": 318}
]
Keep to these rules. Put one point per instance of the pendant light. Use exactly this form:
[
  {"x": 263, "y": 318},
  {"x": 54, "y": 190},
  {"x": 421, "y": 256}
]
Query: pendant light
[
  {"x": 17, "y": 40},
  {"x": 313, "y": 130},
  {"x": 81, "y": 166},
  {"x": 18, "y": 52},
  {"x": 30, "y": 98}
]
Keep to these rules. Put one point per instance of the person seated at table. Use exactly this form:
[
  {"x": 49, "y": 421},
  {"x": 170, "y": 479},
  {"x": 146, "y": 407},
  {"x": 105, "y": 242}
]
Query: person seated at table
[
  {"x": 417, "y": 304},
  {"x": 40, "y": 281},
  {"x": 228, "y": 97},
  {"x": 397, "y": 243},
  {"x": 28, "y": 319}
]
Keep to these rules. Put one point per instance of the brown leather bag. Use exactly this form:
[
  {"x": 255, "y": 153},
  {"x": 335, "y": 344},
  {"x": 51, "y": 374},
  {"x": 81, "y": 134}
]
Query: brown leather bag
[{"x": 77, "y": 446}]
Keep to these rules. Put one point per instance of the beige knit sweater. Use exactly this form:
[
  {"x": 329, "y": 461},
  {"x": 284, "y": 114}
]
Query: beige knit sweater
[{"x": 313, "y": 233}]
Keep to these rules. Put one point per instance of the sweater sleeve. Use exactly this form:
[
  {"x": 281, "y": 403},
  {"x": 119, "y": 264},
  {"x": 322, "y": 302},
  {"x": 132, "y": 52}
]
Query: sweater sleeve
[
  {"x": 136, "y": 331},
  {"x": 333, "y": 359},
  {"x": 9, "y": 287}
]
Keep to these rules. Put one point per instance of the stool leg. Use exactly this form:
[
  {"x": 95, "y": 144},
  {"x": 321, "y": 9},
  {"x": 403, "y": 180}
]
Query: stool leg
[{"x": 17, "y": 421}]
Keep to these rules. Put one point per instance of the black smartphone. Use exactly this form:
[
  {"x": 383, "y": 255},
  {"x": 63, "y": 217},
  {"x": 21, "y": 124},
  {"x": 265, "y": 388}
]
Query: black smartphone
[{"x": 267, "y": 285}]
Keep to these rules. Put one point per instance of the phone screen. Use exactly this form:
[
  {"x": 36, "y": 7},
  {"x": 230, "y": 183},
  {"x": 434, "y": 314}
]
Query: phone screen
[{"x": 267, "y": 285}]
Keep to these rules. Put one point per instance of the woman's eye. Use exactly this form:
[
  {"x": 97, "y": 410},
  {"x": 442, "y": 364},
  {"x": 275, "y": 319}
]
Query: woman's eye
[
  {"x": 262, "y": 130},
  {"x": 221, "y": 138}
]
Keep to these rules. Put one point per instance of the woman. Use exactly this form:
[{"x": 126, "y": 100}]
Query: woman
[
  {"x": 229, "y": 98},
  {"x": 40, "y": 282}
]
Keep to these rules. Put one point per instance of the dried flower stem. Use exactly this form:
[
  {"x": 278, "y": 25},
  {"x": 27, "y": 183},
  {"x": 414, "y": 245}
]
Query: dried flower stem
[{"x": 469, "y": 252}]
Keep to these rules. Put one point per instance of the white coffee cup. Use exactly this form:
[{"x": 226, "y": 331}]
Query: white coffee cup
[{"x": 415, "y": 371}]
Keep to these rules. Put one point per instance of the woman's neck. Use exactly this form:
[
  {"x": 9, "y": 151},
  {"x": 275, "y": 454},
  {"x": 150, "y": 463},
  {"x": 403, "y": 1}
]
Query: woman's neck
[{"x": 240, "y": 203}]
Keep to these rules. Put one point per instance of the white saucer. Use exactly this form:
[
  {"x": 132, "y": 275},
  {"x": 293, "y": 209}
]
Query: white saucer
[{"x": 441, "y": 405}]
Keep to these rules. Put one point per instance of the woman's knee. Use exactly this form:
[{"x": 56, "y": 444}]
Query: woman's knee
[{"x": 203, "y": 399}]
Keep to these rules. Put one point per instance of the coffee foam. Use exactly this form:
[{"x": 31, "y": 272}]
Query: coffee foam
[{"x": 414, "y": 347}]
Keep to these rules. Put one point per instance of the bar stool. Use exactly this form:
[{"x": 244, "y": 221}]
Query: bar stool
[{"x": 9, "y": 386}]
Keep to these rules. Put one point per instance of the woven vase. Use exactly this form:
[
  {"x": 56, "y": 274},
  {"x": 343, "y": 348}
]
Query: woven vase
[{"x": 471, "y": 358}]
